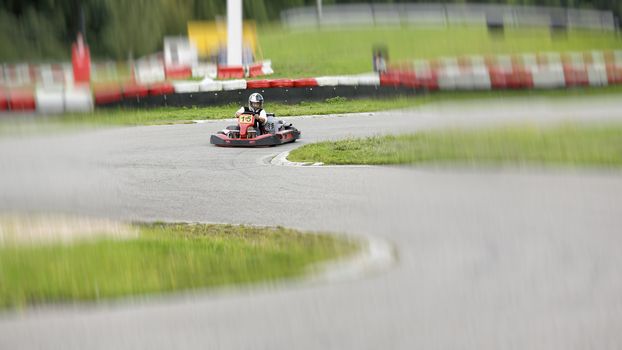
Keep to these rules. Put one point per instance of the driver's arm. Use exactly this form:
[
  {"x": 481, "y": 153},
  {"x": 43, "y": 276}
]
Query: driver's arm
[
  {"x": 239, "y": 112},
  {"x": 262, "y": 117}
]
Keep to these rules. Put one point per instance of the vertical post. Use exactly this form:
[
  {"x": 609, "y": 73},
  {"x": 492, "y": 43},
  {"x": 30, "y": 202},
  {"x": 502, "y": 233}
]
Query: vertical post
[
  {"x": 319, "y": 11},
  {"x": 234, "y": 32},
  {"x": 81, "y": 61}
]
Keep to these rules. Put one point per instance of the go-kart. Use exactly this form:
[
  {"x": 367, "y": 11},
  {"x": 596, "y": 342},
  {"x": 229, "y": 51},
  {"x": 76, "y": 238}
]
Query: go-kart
[{"x": 248, "y": 133}]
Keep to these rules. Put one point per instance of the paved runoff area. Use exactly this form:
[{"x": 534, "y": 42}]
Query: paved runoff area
[{"x": 492, "y": 258}]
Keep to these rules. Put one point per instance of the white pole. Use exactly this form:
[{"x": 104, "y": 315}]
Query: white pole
[{"x": 234, "y": 32}]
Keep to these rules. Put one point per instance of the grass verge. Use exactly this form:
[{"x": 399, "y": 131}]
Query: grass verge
[
  {"x": 182, "y": 115},
  {"x": 17, "y": 125},
  {"x": 165, "y": 257},
  {"x": 567, "y": 144}
]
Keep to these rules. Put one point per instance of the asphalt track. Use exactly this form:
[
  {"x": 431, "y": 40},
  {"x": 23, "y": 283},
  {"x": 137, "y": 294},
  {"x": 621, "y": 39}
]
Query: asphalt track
[{"x": 510, "y": 258}]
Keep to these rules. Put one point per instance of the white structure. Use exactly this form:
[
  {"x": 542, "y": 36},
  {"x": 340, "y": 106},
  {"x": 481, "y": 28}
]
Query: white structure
[
  {"x": 179, "y": 51},
  {"x": 234, "y": 32}
]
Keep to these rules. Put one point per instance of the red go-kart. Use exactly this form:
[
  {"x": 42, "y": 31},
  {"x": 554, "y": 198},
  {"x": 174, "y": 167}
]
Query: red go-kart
[{"x": 248, "y": 133}]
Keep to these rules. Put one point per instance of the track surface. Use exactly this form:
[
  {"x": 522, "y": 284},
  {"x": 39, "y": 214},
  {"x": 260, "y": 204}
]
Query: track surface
[{"x": 507, "y": 258}]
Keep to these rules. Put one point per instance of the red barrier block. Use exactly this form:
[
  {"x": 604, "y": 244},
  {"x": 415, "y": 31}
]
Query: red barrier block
[
  {"x": 575, "y": 77},
  {"x": 22, "y": 100},
  {"x": 257, "y": 84},
  {"x": 255, "y": 70},
  {"x": 307, "y": 82},
  {"x": 178, "y": 72},
  {"x": 408, "y": 79},
  {"x": 4, "y": 102},
  {"x": 518, "y": 78},
  {"x": 108, "y": 94},
  {"x": 161, "y": 89},
  {"x": 135, "y": 90},
  {"x": 281, "y": 83},
  {"x": 390, "y": 78},
  {"x": 614, "y": 74},
  {"x": 226, "y": 72},
  {"x": 429, "y": 81}
]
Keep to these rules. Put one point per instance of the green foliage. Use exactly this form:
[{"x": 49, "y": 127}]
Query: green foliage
[
  {"x": 166, "y": 257},
  {"x": 567, "y": 144}
]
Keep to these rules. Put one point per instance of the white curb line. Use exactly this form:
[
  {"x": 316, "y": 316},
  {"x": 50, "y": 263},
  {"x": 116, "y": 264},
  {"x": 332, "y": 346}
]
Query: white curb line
[
  {"x": 281, "y": 159},
  {"x": 378, "y": 255}
]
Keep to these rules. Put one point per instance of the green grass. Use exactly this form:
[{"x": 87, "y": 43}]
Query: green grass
[
  {"x": 347, "y": 51},
  {"x": 21, "y": 125},
  {"x": 181, "y": 115},
  {"x": 568, "y": 145},
  {"x": 165, "y": 257}
]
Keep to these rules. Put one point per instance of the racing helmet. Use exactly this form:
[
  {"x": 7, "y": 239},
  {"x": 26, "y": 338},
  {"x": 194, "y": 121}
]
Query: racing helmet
[{"x": 255, "y": 102}]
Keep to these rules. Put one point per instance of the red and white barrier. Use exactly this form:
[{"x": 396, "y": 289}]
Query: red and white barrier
[{"x": 543, "y": 71}]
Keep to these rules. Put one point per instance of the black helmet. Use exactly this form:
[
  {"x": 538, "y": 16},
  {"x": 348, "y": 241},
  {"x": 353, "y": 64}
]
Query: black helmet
[{"x": 255, "y": 102}]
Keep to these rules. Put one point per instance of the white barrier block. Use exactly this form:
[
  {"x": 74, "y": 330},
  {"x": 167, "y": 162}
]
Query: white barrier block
[
  {"x": 481, "y": 78},
  {"x": 237, "y": 84},
  {"x": 186, "y": 86},
  {"x": 551, "y": 76},
  {"x": 149, "y": 72},
  {"x": 447, "y": 78},
  {"x": 205, "y": 70},
  {"x": 208, "y": 84},
  {"x": 78, "y": 99},
  {"x": 347, "y": 80},
  {"x": 266, "y": 67},
  {"x": 49, "y": 100},
  {"x": 464, "y": 80},
  {"x": 327, "y": 81},
  {"x": 597, "y": 75},
  {"x": 369, "y": 79}
]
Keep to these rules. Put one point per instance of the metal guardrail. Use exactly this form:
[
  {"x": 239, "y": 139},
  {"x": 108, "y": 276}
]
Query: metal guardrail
[{"x": 446, "y": 14}]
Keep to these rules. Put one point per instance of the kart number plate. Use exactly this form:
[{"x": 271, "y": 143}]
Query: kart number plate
[{"x": 246, "y": 119}]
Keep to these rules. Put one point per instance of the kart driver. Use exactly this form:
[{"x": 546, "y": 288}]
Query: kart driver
[
  {"x": 255, "y": 107},
  {"x": 263, "y": 122}
]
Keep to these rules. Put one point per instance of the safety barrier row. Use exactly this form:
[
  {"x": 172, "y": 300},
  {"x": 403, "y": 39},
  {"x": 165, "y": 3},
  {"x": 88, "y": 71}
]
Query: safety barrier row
[
  {"x": 509, "y": 72},
  {"x": 62, "y": 99},
  {"x": 463, "y": 73}
]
